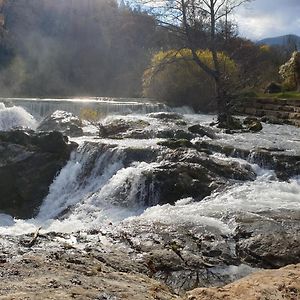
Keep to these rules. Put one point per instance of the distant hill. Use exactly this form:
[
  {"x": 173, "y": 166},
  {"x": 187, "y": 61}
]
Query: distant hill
[{"x": 289, "y": 40}]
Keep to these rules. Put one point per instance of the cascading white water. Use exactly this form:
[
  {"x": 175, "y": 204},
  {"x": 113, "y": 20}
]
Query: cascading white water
[
  {"x": 251, "y": 197},
  {"x": 86, "y": 172},
  {"x": 13, "y": 117},
  {"x": 95, "y": 188}
]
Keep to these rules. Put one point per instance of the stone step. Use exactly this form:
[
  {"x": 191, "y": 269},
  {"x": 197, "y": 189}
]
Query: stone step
[
  {"x": 275, "y": 101},
  {"x": 284, "y": 110}
]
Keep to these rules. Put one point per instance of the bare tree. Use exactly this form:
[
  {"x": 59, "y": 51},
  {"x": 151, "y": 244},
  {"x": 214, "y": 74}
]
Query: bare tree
[{"x": 186, "y": 18}]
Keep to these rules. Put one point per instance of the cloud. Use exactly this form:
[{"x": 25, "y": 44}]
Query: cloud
[{"x": 267, "y": 18}]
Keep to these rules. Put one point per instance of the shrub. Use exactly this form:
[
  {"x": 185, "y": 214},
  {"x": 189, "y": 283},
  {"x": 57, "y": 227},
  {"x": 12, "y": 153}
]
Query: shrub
[{"x": 175, "y": 78}]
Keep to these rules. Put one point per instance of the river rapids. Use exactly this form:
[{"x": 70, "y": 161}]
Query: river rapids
[{"x": 99, "y": 190}]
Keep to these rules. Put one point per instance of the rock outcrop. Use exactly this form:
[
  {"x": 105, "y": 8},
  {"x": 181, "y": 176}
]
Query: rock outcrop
[
  {"x": 98, "y": 271},
  {"x": 189, "y": 173},
  {"x": 282, "y": 162},
  {"x": 28, "y": 164},
  {"x": 62, "y": 121}
]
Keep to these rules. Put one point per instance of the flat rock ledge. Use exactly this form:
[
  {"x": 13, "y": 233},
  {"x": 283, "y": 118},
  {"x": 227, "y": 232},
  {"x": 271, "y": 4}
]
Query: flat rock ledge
[{"x": 68, "y": 274}]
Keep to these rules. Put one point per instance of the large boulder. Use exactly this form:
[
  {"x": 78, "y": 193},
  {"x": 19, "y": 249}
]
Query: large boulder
[
  {"x": 64, "y": 122},
  {"x": 186, "y": 172},
  {"x": 124, "y": 128},
  {"x": 268, "y": 239},
  {"x": 253, "y": 124},
  {"x": 202, "y": 131},
  {"x": 28, "y": 164}
]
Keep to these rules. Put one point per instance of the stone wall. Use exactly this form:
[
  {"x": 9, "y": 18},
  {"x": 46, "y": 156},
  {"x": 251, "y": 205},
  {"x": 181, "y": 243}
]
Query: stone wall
[{"x": 282, "y": 110}]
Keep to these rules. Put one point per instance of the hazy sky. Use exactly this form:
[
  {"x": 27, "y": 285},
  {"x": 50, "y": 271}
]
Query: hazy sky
[{"x": 268, "y": 18}]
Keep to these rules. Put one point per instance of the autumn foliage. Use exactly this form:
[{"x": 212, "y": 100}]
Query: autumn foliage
[{"x": 176, "y": 79}]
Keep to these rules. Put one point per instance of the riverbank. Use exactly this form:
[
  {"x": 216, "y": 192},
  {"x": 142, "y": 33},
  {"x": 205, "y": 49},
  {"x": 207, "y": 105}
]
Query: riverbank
[{"x": 274, "y": 110}]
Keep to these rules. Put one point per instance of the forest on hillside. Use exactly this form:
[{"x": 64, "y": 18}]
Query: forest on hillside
[{"x": 67, "y": 48}]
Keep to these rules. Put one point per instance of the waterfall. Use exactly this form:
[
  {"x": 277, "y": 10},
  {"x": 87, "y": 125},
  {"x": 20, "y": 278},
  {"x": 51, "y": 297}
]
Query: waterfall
[
  {"x": 13, "y": 117},
  {"x": 95, "y": 186},
  {"x": 43, "y": 107}
]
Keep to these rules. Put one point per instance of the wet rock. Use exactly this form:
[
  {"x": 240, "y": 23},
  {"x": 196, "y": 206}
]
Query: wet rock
[
  {"x": 174, "y": 134},
  {"x": 229, "y": 122},
  {"x": 253, "y": 124},
  {"x": 136, "y": 134},
  {"x": 255, "y": 127},
  {"x": 165, "y": 116},
  {"x": 284, "y": 164},
  {"x": 227, "y": 169},
  {"x": 202, "y": 131},
  {"x": 248, "y": 120},
  {"x": 28, "y": 164},
  {"x": 121, "y": 128},
  {"x": 176, "y": 143},
  {"x": 64, "y": 122},
  {"x": 188, "y": 173},
  {"x": 177, "y": 181},
  {"x": 184, "y": 256}
]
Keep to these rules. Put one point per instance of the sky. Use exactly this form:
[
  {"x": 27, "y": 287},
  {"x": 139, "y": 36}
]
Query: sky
[{"x": 268, "y": 18}]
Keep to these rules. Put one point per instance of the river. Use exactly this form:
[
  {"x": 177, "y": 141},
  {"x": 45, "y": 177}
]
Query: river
[{"x": 99, "y": 190}]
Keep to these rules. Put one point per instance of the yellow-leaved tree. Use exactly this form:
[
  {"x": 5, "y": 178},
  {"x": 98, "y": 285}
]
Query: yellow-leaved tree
[{"x": 175, "y": 78}]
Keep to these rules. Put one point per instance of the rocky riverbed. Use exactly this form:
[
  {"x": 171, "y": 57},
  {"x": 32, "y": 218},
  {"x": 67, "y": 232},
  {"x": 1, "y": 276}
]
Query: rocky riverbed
[{"x": 146, "y": 207}]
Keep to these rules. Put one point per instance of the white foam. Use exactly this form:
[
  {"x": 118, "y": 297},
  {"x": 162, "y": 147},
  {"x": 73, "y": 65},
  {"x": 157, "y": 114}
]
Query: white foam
[
  {"x": 249, "y": 197},
  {"x": 13, "y": 117},
  {"x": 86, "y": 173}
]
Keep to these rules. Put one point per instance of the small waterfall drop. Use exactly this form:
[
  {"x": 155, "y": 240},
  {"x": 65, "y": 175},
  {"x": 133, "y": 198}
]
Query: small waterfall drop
[
  {"x": 95, "y": 186},
  {"x": 86, "y": 172}
]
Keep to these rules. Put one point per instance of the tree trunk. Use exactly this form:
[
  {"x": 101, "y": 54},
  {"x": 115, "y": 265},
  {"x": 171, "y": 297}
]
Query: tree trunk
[
  {"x": 297, "y": 77},
  {"x": 222, "y": 97}
]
